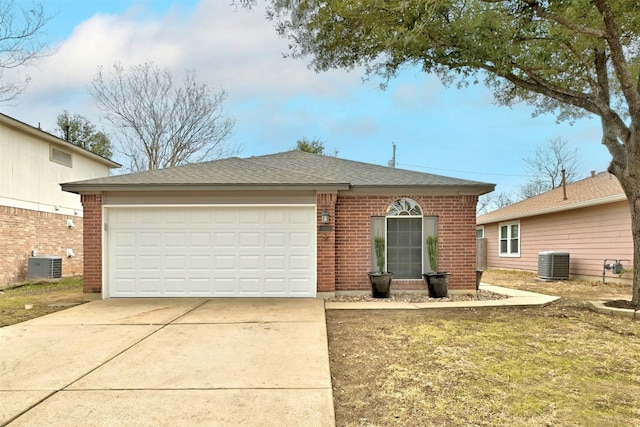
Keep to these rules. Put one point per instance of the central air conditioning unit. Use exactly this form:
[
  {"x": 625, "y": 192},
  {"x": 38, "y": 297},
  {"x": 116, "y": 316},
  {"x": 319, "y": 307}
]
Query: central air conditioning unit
[
  {"x": 553, "y": 265},
  {"x": 45, "y": 267}
]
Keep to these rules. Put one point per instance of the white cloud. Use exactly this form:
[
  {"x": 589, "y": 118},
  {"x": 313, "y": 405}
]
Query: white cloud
[{"x": 230, "y": 48}]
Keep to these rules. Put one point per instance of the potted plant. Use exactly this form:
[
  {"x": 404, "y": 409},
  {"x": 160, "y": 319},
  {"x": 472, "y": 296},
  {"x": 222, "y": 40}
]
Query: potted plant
[
  {"x": 380, "y": 280},
  {"x": 437, "y": 281}
]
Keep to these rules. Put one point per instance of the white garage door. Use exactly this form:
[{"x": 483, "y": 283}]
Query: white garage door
[{"x": 248, "y": 251}]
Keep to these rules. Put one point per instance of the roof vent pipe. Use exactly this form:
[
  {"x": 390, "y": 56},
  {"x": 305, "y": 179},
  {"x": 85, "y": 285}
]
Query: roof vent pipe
[
  {"x": 593, "y": 174},
  {"x": 564, "y": 185}
]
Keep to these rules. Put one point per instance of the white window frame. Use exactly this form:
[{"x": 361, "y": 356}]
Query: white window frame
[
  {"x": 481, "y": 229},
  {"x": 404, "y": 208},
  {"x": 510, "y": 253},
  {"x": 60, "y": 157}
]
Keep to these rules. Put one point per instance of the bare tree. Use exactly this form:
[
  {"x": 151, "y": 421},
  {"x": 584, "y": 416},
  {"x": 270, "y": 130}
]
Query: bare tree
[
  {"x": 163, "y": 124},
  {"x": 534, "y": 187},
  {"x": 493, "y": 201},
  {"x": 79, "y": 130},
  {"x": 547, "y": 165},
  {"x": 22, "y": 41}
]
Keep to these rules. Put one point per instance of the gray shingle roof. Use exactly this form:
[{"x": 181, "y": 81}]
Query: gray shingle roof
[{"x": 288, "y": 169}]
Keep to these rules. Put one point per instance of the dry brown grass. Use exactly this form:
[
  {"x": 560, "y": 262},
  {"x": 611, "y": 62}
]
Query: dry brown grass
[
  {"x": 560, "y": 365},
  {"x": 45, "y": 297}
]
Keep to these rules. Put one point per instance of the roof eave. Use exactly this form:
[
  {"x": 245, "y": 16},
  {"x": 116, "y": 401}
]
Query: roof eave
[
  {"x": 448, "y": 190},
  {"x": 554, "y": 209},
  {"x": 80, "y": 188}
]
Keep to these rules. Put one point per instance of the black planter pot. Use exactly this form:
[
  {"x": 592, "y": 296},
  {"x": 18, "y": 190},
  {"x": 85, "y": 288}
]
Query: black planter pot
[
  {"x": 437, "y": 284},
  {"x": 380, "y": 284}
]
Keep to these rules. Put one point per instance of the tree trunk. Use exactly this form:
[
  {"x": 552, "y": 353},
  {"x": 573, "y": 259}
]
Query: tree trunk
[
  {"x": 625, "y": 165},
  {"x": 630, "y": 183},
  {"x": 634, "y": 203}
]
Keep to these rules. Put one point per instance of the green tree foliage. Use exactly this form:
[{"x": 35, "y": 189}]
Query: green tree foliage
[
  {"x": 314, "y": 146},
  {"x": 80, "y": 131},
  {"x": 570, "y": 57}
]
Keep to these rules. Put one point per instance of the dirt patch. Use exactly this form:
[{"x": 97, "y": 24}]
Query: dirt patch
[
  {"x": 620, "y": 303},
  {"x": 37, "y": 299},
  {"x": 559, "y": 365}
]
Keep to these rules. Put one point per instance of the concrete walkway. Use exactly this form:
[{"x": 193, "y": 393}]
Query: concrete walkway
[
  {"x": 209, "y": 362},
  {"x": 515, "y": 298}
]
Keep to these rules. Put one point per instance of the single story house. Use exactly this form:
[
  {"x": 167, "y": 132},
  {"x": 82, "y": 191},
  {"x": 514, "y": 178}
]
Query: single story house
[
  {"x": 589, "y": 219},
  {"x": 38, "y": 219},
  {"x": 292, "y": 224}
]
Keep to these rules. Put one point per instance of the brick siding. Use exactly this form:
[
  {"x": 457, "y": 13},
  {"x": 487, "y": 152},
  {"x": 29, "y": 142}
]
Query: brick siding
[
  {"x": 344, "y": 252},
  {"x": 23, "y": 231},
  {"x": 456, "y": 231},
  {"x": 92, "y": 205}
]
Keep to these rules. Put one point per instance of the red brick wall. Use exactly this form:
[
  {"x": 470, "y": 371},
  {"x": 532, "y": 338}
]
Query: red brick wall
[
  {"x": 456, "y": 231},
  {"x": 349, "y": 243},
  {"x": 92, "y": 204},
  {"x": 326, "y": 270},
  {"x": 23, "y": 231}
]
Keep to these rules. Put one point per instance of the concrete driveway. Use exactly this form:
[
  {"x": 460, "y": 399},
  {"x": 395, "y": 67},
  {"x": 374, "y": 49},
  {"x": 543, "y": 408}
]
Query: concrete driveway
[{"x": 213, "y": 362}]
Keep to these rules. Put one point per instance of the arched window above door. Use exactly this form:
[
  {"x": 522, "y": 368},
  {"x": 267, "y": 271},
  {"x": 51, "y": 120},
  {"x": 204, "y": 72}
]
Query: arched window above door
[{"x": 404, "y": 207}]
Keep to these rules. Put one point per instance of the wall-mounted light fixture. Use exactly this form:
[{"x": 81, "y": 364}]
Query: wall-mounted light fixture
[
  {"x": 70, "y": 223},
  {"x": 70, "y": 253},
  {"x": 325, "y": 218}
]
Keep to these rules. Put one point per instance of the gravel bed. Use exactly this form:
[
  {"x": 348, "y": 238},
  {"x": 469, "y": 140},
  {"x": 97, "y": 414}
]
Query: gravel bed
[{"x": 414, "y": 298}]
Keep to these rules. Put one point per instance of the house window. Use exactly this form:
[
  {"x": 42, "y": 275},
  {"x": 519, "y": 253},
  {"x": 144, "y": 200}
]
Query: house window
[
  {"x": 510, "y": 239},
  {"x": 480, "y": 232},
  {"x": 61, "y": 157},
  {"x": 404, "y": 239}
]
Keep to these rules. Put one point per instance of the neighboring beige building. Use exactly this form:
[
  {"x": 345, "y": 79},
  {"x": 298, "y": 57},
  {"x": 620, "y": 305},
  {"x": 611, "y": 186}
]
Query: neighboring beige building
[
  {"x": 590, "y": 219},
  {"x": 36, "y": 216}
]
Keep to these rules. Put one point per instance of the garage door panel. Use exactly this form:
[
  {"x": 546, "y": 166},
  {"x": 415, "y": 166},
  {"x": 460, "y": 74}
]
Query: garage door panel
[
  {"x": 250, "y": 240},
  {"x": 275, "y": 217},
  {"x": 149, "y": 286},
  {"x": 275, "y": 286},
  {"x": 275, "y": 240},
  {"x": 249, "y": 286},
  {"x": 147, "y": 218},
  {"x": 249, "y": 263},
  {"x": 175, "y": 240},
  {"x": 299, "y": 286},
  {"x": 300, "y": 263},
  {"x": 224, "y": 263},
  {"x": 211, "y": 251},
  {"x": 224, "y": 240},
  {"x": 200, "y": 240},
  {"x": 152, "y": 240},
  {"x": 176, "y": 263},
  {"x": 149, "y": 263},
  {"x": 300, "y": 239},
  {"x": 200, "y": 286},
  {"x": 275, "y": 263},
  {"x": 200, "y": 263}
]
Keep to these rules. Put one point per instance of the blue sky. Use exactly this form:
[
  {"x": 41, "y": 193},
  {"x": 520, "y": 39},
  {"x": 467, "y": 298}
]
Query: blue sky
[{"x": 276, "y": 101}]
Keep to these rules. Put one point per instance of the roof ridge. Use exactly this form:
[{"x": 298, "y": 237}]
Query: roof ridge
[{"x": 291, "y": 170}]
